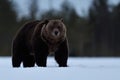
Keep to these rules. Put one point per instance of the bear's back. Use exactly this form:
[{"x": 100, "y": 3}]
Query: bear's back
[
  {"x": 24, "y": 34},
  {"x": 26, "y": 29},
  {"x": 29, "y": 27}
]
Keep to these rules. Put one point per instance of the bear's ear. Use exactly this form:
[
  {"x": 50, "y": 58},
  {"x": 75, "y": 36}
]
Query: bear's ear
[
  {"x": 61, "y": 19},
  {"x": 46, "y": 21}
]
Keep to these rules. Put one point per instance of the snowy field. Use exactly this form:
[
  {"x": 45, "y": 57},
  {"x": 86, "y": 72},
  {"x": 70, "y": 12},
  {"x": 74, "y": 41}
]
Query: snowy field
[{"x": 79, "y": 69}]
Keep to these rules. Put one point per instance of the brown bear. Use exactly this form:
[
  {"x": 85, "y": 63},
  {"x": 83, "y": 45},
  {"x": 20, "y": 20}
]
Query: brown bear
[{"x": 35, "y": 40}]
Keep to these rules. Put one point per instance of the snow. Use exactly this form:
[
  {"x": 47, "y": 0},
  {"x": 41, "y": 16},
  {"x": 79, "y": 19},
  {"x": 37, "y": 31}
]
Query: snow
[{"x": 79, "y": 69}]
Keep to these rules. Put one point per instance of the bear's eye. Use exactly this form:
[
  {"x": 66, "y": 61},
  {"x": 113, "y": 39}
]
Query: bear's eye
[{"x": 51, "y": 28}]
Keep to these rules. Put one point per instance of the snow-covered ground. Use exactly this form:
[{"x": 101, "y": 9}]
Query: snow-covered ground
[{"x": 79, "y": 69}]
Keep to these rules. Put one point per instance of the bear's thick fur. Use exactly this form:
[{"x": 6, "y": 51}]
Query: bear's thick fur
[{"x": 36, "y": 39}]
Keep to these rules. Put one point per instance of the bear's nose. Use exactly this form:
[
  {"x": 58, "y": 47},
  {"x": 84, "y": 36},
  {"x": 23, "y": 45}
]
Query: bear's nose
[{"x": 56, "y": 32}]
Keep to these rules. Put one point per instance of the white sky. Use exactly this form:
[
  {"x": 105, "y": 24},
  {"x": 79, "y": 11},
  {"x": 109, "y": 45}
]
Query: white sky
[{"x": 81, "y": 6}]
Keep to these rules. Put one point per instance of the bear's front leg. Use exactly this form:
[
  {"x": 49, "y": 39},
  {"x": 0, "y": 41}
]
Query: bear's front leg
[
  {"x": 61, "y": 55},
  {"x": 41, "y": 60},
  {"x": 41, "y": 56},
  {"x": 40, "y": 50}
]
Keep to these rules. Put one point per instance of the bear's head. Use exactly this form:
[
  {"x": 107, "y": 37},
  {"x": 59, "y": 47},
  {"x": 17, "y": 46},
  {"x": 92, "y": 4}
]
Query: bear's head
[{"x": 53, "y": 33}]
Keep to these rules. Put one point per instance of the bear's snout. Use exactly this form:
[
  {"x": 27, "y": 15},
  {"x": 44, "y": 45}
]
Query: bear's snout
[{"x": 56, "y": 33}]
